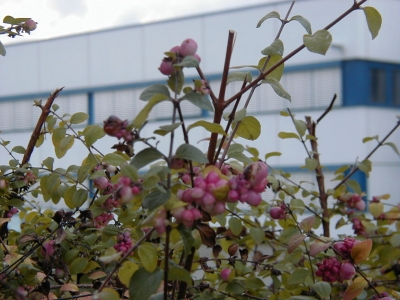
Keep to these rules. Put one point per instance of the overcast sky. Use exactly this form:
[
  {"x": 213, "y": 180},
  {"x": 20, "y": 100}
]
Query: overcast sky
[{"x": 63, "y": 17}]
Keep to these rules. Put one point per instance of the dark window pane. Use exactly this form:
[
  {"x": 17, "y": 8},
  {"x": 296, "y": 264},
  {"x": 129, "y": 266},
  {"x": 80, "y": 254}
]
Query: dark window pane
[
  {"x": 396, "y": 87},
  {"x": 378, "y": 85}
]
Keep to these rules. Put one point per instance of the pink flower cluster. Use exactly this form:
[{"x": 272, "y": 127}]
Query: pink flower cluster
[
  {"x": 353, "y": 201},
  {"x": 124, "y": 242},
  {"x": 332, "y": 270},
  {"x": 115, "y": 127},
  {"x": 187, "y": 48},
  {"x": 200, "y": 86}
]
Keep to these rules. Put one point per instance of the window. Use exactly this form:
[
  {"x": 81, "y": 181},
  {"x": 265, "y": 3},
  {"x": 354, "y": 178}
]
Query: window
[
  {"x": 378, "y": 85},
  {"x": 396, "y": 87}
]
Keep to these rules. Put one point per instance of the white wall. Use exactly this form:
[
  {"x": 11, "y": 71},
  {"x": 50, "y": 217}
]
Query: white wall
[{"x": 133, "y": 54}]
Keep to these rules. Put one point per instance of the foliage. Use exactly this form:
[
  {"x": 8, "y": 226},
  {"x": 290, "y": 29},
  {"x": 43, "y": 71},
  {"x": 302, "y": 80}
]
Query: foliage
[{"x": 134, "y": 225}]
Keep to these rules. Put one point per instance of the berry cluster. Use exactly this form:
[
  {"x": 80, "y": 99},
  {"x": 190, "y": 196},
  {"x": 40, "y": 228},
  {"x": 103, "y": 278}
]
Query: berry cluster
[
  {"x": 279, "y": 212},
  {"x": 212, "y": 189},
  {"x": 353, "y": 201},
  {"x": 187, "y": 48},
  {"x": 344, "y": 247},
  {"x": 186, "y": 215},
  {"x": 124, "y": 242},
  {"x": 332, "y": 270},
  {"x": 382, "y": 296},
  {"x": 160, "y": 221},
  {"x": 115, "y": 127},
  {"x": 12, "y": 212},
  {"x": 358, "y": 227},
  {"x": 200, "y": 86},
  {"x": 103, "y": 219}
]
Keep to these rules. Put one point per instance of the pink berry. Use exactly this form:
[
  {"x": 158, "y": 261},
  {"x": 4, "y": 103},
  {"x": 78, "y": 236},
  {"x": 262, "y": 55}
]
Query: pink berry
[
  {"x": 166, "y": 68},
  {"x": 100, "y": 183},
  {"x": 277, "y": 213},
  {"x": 225, "y": 274},
  {"x": 360, "y": 205},
  {"x": 196, "y": 56},
  {"x": 29, "y": 25},
  {"x": 347, "y": 271},
  {"x": 175, "y": 49},
  {"x": 188, "y": 47}
]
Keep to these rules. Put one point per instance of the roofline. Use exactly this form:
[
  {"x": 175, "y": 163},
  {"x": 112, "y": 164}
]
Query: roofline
[{"x": 201, "y": 15}]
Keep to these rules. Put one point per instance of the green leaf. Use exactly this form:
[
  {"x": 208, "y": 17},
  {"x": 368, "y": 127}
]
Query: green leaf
[
  {"x": 301, "y": 126},
  {"x": 393, "y": 146},
  {"x": 278, "y": 88},
  {"x": 180, "y": 274},
  {"x": 48, "y": 163},
  {"x": 374, "y": 20},
  {"x": 65, "y": 144},
  {"x": 249, "y": 128},
  {"x": 239, "y": 115},
  {"x": 129, "y": 171},
  {"x": 79, "y": 198},
  {"x": 145, "y": 157},
  {"x": 78, "y": 117},
  {"x": 153, "y": 90},
  {"x": 189, "y": 62},
  {"x": 288, "y": 135},
  {"x": 209, "y": 126},
  {"x": 354, "y": 185},
  {"x": 240, "y": 157},
  {"x": 187, "y": 238},
  {"x": 370, "y": 138},
  {"x": 257, "y": 235},
  {"x": 365, "y": 166},
  {"x": 298, "y": 276},
  {"x": 78, "y": 265},
  {"x": 175, "y": 81},
  {"x": 18, "y": 149},
  {"x": 270, "y": 15},
  {"x": 14, "y": 21},
  {"x": 155, "y": 199},
  {"x": 270, "y": 154},
  {"x": 323, "y": 289},
  {"x": 303, "y": 21},
  {"x": 58, "y": 136},
  {"x": 275, "y": 48},
  {"x": 376, "y": 209},
  {"x": 69, "y": 195},
  {"x": 164, "y": 129},
  {"x": 144, "y": 113},
  {"x": 307, "y": 223},
  {"x": 272, "y": 60},
  {"x": 108, "y": 294},
  {"x": 239, "y": 76},
  {"x": 2, "y": 49},
  {"x": 113, "y": 159},
  {"x": 235, "y": 225},
  {"x": 319, "y": 42},
  {"x": 190, "y": 152},
  {"x": 311, "y": 164},
  {"x": 148, "y": 256},
  {"x": 201, "y": 101},
  {"x": 92, "y": 133},
  {"x": 83, "y": 172},
  {"x": 126, "y": 271},
  {"x": 395, "y": 240},
  {"x": 143, "y": 283}
]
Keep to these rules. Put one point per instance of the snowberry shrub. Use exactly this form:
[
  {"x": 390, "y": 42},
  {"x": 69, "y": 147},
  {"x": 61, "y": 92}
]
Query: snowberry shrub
[{"x": 184, "y": 224}]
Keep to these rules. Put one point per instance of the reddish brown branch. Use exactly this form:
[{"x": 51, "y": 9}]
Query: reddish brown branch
[
  {"x": 36, "y": 132},
  {"x": 323, "y": 196}
]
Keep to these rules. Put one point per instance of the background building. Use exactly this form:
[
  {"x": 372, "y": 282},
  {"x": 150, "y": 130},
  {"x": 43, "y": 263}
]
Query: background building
[{"x": 104, "y": 73}]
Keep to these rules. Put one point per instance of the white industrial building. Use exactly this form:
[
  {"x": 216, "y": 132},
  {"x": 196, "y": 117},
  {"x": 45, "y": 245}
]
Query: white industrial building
[{"x": 104, "y": 73}]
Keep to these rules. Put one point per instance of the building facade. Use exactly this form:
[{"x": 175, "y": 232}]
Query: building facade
[{"x": 104, "y": 73}]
